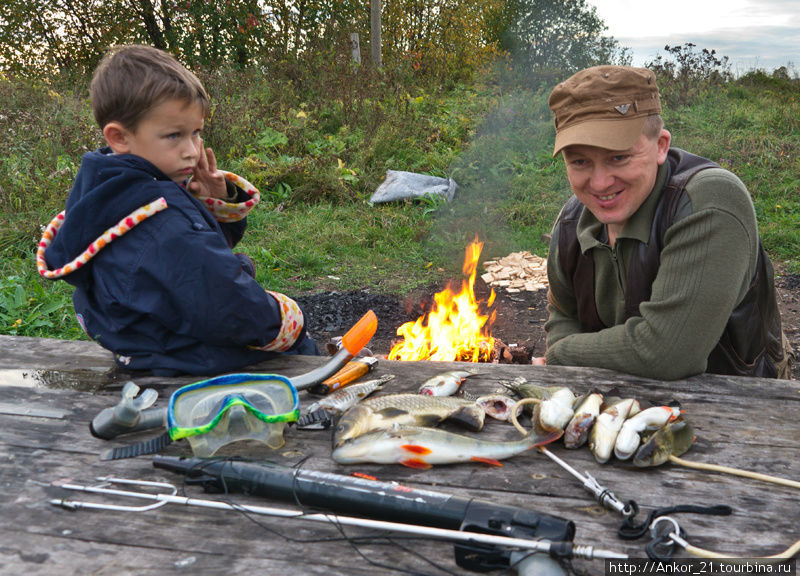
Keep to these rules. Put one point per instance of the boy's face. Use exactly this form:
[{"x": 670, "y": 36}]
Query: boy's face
[{"x": 168, "y": 136}]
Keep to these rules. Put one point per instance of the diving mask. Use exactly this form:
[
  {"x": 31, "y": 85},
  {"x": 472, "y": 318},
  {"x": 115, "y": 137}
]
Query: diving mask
[{"x": 231, "y": 408}]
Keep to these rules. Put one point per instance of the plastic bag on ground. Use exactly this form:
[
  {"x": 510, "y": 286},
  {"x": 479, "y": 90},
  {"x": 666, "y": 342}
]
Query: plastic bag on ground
[{"x": 400, "y": 185}]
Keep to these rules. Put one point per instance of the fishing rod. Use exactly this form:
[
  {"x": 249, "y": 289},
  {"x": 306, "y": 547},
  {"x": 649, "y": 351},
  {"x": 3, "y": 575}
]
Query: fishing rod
[
  {"x": 469, "y": 539},
  {"x": 388, "y": 501}
]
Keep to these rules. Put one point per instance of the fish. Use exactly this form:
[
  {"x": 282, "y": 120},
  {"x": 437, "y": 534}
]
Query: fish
[
  {"x": 555, "y": 410},
  {"x": 338, "y": 401},
  {"x": 577, "y": 431},
  {"x": 629, "y": 438},
  {"x": 382, "y": 412},
  {"x": 446, "y": 383},
  {"x": 422, "y": 448},
  {"x": 674, "y": 438},
  {"x": 607, "y": 426},
  {"x": 498, "y": 406}
]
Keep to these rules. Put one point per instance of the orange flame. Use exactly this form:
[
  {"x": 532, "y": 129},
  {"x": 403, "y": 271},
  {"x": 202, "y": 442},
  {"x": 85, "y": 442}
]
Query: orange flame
[{"x": 454, "y": 328}]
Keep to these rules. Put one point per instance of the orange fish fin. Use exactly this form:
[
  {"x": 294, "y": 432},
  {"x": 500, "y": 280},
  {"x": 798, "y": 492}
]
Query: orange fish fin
[
  {"x": 416, "y": 463},
  {"x": 490, "y": 461},
  {"x": 416, "y": 449},
  {"x": 547, "y": 438}
]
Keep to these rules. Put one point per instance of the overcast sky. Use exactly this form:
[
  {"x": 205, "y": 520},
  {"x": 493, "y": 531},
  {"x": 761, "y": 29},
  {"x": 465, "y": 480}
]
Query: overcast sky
[{"x": 761, "y": 34}]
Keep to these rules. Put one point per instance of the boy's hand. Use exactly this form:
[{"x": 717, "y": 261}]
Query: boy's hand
[{"x": 206, "y": 180}]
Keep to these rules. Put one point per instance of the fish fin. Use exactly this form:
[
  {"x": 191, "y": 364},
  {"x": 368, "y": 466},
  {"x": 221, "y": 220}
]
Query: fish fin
[
  {"x": 416, "y": 449},
  {"x": 490, "y": 461},
  {"x": 547, "y": 438},
  {"x": 391, "y": 412},
  {"x": 427, "y": 420},
  {"x": 471, "y": 417},
  {"x": 416, "y": 463}
]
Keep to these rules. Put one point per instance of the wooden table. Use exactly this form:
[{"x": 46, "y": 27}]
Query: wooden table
[{"x": 50, "y": 390}]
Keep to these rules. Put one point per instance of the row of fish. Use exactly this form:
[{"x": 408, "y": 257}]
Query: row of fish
[
  {"x": 610, "y": 425},
  {"x": 398, "y": 428}
]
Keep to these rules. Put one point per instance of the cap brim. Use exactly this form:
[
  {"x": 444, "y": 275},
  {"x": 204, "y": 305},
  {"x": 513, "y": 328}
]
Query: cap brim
[{"x": 618, "y": 134}]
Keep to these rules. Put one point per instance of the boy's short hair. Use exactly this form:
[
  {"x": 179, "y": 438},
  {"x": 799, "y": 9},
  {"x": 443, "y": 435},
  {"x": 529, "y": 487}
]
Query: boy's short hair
[{"x": 130, "y": 80}]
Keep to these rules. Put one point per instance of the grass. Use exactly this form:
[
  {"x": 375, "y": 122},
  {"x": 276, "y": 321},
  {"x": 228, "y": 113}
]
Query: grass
[{"x": 318, "y": 154}]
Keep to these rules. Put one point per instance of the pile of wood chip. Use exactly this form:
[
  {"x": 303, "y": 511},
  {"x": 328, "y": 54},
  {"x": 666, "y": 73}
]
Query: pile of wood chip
[{"x": 517, "y": 272}]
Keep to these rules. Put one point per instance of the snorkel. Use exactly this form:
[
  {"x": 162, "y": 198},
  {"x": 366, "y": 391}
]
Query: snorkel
[{"x": 134, "y": 414}]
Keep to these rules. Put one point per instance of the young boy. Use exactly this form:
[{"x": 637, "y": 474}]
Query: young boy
[{"x": 150, "y": 257}]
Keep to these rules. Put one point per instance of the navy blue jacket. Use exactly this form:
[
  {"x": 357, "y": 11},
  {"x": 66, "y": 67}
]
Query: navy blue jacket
[{"x": 170, "y": 295}]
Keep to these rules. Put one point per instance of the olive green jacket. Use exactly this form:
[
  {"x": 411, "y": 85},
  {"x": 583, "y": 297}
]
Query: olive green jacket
[{"x": 709, "y": 257}]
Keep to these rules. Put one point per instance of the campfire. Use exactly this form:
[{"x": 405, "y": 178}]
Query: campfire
[{"x": 457, "y": 327}]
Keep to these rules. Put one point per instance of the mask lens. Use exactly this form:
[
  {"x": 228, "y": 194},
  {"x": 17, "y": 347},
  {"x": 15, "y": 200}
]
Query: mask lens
[{"x": 201, "y": 407}]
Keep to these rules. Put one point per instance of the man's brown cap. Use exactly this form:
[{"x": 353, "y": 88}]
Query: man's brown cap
[{"x": 604, "y": 106}]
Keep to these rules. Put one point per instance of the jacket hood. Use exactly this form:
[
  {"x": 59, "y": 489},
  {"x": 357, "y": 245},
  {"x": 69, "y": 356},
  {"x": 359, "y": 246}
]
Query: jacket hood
[{"x": 111, "y": 194}]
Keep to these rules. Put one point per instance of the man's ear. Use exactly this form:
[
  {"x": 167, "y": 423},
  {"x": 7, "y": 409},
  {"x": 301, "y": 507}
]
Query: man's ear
[
  {"x": 117, "y": 137},
  {"x": 664, "y": 140}
]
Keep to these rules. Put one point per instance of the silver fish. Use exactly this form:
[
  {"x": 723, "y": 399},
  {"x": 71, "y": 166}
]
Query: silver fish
[
  {"x": 577, "y": 431},
  {"x": 629, "y": 438},
  {"x": 498, "y": 406},
  {"x": 383, "y": 412},
  {"x": 338, "y": 401},
  {"x": 555, "y": 410},
  {"x": 446, "y": 383},
  {"x": 607, "y": 426},
  {"x": 424, "y": 447}
]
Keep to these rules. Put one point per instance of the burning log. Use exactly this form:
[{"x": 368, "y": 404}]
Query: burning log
[
  {"x": 457, "y": 326},
  {"x": 511, "y": 353},
  {"x": 500, "y": 353}
]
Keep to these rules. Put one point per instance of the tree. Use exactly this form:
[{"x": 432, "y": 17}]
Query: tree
[
  {"x": 555, "y": 35},
  {"x": 447, "y": 38}
]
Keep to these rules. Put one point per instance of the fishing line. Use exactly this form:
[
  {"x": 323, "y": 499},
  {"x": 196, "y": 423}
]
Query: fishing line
[
  {"x": 252, "y": 517},
  {"x": 790, "y": 552},
  {"x": 352, "y": 541},
  {"x": 734, "y": 472},
  {"x": 375, "y": 563},
  {"x": 421, "y": 557}
]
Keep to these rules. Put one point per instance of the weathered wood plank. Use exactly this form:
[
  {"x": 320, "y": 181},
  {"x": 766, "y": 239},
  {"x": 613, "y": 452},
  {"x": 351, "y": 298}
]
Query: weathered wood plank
[{"x": 750, "y": 423}]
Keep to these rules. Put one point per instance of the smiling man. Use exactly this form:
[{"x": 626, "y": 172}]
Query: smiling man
[{"x": 656, "y": 267}]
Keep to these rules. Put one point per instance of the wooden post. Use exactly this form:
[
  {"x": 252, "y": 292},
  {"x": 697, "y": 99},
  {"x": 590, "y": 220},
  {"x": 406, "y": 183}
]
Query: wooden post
[
  {"x": 355, "y": 47},
  {"x": 375, "y": 32}
]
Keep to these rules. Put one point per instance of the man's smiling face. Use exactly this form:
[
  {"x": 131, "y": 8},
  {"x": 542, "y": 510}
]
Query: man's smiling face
[{"x": 613, "y": 184}]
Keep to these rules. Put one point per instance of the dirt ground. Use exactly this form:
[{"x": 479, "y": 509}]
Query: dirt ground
[{"x": 520, "y": 316}]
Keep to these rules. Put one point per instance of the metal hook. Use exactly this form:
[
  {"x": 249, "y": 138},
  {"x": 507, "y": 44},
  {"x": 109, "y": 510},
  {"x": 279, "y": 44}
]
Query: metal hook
[
  {"x": 662, "y": 546},
  {"x": 655, "y": 533},
  {"x": 104, "y": 488}
]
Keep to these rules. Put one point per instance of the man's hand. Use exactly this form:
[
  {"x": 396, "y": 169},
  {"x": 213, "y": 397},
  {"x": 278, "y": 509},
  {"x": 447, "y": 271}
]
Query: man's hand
[
  {"x": 206, "y": 180},
  {"x": 538, "y": 361}
]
